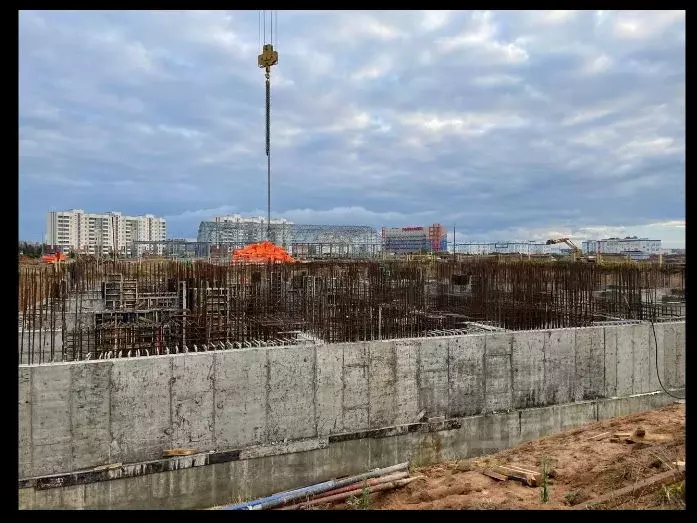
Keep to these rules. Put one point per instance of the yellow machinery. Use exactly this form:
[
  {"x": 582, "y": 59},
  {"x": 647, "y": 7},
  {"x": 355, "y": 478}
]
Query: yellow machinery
[{"x": 575, "y": 251}]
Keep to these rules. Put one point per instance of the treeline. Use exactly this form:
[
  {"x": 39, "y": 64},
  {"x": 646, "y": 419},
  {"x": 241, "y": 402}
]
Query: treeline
[{"x": 31, "y": 249}]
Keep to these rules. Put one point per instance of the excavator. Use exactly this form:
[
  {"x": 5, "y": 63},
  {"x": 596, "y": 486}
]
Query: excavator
[{"x": 575, "y": 251}]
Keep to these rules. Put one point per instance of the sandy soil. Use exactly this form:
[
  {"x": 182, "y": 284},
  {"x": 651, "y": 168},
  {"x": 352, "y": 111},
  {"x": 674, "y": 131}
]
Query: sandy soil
[{"x": 584, "y": 469}]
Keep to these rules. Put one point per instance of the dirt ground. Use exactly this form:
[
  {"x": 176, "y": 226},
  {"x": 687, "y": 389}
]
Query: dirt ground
[{"x": 584, "y": 470}]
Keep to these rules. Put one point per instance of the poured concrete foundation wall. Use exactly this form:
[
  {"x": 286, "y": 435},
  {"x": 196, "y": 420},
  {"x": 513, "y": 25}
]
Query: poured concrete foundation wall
[
  {"x": 191, "y": 486},
  {"x": 81, "y": 415}
]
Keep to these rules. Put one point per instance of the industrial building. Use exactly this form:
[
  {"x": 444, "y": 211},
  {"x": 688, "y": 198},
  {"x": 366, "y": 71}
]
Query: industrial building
[
  {"x": 228, "y": 232},
  {"x": 512, "y": 247},
  {"x": 102, "y": 233},
  {"x": 628, "y": 245},
  {"x": 406, "y": 240},
  {"x": 237, "y": 231},
  {"x": 332, "y": 241}
]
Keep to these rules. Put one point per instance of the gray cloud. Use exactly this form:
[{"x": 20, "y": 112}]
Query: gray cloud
[{"x": 520, "y": 123}]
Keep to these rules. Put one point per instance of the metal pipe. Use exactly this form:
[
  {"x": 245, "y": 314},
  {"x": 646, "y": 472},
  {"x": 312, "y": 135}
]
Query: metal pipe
[
  {"x": 389, "y": 485},
  {"x": 291, "y": 495},
  {"x": 318, "y": 500}
]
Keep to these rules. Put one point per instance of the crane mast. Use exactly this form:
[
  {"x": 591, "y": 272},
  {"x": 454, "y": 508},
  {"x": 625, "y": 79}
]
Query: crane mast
[{"x": 267, "y": 59}]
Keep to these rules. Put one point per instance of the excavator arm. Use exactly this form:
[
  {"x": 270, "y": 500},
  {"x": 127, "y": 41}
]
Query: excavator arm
[{"x": 576, "y": 251}]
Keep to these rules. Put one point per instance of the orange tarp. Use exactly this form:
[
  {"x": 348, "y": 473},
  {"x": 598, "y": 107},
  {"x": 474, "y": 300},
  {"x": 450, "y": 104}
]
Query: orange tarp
[
  {"x": 53, "y": 258},
  {"x": 261, "y": 253}
]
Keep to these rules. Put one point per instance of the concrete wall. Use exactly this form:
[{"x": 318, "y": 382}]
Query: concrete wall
[
  {"x": 80, "y": 415},
  {"x": 191, "y": 483}
]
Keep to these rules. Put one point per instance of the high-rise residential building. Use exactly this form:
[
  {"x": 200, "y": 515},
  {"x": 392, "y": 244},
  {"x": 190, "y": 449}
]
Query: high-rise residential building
[{"x": 103, "y": 233}]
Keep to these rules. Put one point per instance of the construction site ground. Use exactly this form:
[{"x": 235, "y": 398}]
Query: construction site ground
[{"x": 586, "y": 466}]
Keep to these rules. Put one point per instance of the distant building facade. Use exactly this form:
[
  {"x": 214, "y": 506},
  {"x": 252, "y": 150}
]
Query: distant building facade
[
  {"x": 102, "y": 233},
  {"x": 240, "y": 230},
  {"x": 627, "y": 245},
  {"x": 411, "y": 240},
  {"x": 511, "y": 247}
]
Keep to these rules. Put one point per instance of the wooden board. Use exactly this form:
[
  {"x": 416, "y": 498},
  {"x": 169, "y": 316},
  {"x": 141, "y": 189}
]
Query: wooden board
[
  {"x": 494, "y": 475},
  {"x": 178, "y": 452},
  {"x": 529, "y": 478}
]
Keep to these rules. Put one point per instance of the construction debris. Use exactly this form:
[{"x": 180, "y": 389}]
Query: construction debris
[
  {"x": 527, "y": 477},
  {"x": 641, "y": 488},
  {"x": 638, "y": 436},
  {"x": 494, "y": 475},
  {"x": 585, "y": 469}
]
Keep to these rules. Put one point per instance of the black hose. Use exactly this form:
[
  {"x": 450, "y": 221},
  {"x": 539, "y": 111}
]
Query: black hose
[{"x": 658, "y": 375}]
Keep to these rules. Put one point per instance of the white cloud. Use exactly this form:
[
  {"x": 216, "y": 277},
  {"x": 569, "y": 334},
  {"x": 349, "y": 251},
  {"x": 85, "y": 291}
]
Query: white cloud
[
  {"x": 482, "y": 35},
  {"x": 499, "y": 120},
  {"x": 597, "y": 65},
  {"x": 433, "y": 20}
]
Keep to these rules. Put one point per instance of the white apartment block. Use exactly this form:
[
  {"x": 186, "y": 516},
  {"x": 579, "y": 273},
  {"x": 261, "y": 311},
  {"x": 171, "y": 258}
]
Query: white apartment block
[
  {"x": 513, "y": 247},
  {"x": 102, "y": 234},
  {"x": 622, "y": 245}
]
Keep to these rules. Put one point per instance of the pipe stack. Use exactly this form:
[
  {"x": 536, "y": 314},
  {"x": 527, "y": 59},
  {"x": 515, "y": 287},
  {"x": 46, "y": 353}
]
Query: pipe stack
[{"x": 332, "y": 491}]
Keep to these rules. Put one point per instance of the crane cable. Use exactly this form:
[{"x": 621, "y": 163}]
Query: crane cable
[{"x": 262, "y": 14}]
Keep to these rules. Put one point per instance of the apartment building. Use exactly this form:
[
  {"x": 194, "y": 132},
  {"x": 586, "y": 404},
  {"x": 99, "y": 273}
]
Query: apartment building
[
  {"x": 626, "y": 245},
  {"x": 103, "y": 233}
]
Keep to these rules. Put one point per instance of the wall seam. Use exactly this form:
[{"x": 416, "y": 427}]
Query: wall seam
[
  {"x": 343, "y": 388},
  {"x": 214, "y": 438},
  {"x": 171, "y": 401},
  {"x": 315, "y": 386},
  {"x": 484, "y": 375},
  {"x": 448, "y": 408},
  {"x": 70, "y": 414},
  {"x": 109, "y": 407},
  {"x": 604, "y": 364},
  {"x": 366, "y": 372},
  {"x": 575, "y": 373},
  {"x": 31, "y": 418},
  {"x": 510, "y": 373},
  {"x": 267, "y": 405},
  {"x": 633, "y": 364},
  {"x": 617, "y": 364}
]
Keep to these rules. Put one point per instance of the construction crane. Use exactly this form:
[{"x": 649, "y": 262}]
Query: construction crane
[
  {"x": 267, "y": 59},
  {"x": 575, "y": 251}
]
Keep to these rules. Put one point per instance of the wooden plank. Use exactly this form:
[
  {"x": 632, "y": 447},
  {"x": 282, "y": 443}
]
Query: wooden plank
[
  {"x": 622, "y": 435},
  {"x": 178, "y": 452},
  {"x": 523, "y": 469},
  {"x": 641, "y": 488},
  {"x": 528, "y": 478},
  {"x": 598, "y": 436},
  {"x": 494, "y": 475}
]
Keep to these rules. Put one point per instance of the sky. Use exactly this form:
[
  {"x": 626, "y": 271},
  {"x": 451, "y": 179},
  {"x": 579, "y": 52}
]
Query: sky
[{"x": 507, "y": 125}]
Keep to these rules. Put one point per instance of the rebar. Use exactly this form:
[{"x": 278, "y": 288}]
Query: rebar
[{"x": 101, "y": 308}]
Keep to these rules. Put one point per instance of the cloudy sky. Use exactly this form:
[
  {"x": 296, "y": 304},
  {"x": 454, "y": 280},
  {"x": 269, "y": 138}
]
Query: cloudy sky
[{"x": 509, "y": 124}]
